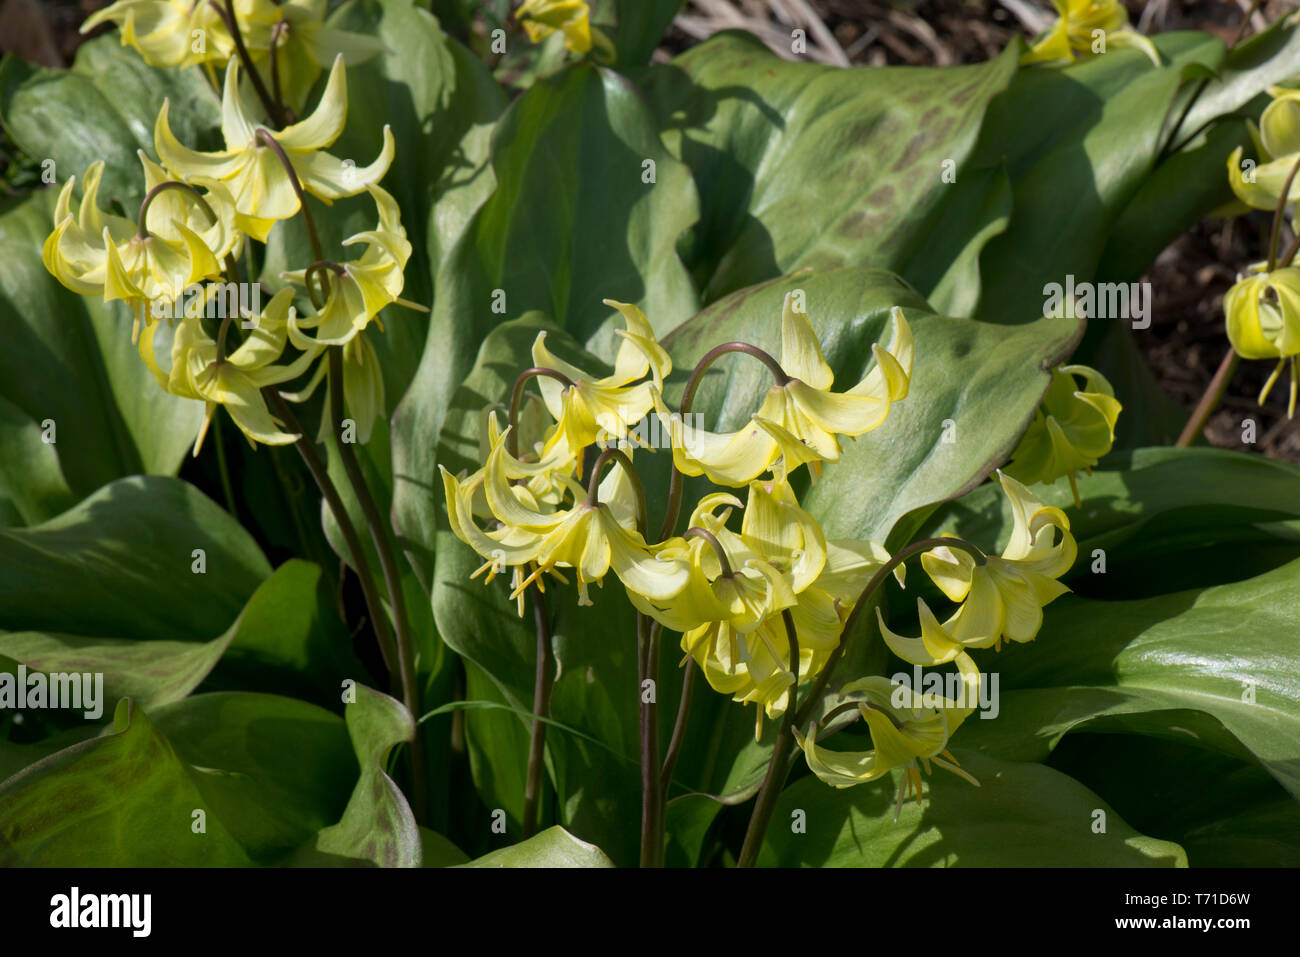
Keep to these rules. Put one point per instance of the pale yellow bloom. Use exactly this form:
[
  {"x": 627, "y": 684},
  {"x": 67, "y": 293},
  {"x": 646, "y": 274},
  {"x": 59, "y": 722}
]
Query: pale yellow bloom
[
  {"x": 799, "y": 419},
  {"x": 1004, "y": 597},
  {"x": 909, "y": 736},
  {"x": 1087, "y": 28},
  {"x": 254, "y": 173},
  {"x": 1072, "y": 429}
]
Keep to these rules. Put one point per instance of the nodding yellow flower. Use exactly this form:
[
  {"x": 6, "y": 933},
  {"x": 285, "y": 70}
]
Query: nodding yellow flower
[
  {"x": 360, "y": 288},
  {"x": 1004, "y": 597},
  {"x": 799, "y": 419},
  {"x": 254, "y": 173},
  {"x": 541, "y": 18},
  {"x": 592, "y": 539},
  {"x": 237, "y": 379},
  {"x": 908, "y": 734},
  {"x": 1072, "y": 429},
  {"x": 1277, "y": 143},
  {"x": 169, "y": 33},
  {"x": 95, "y": 253},
  {"x": 1076, "y": 33},
  {"x": 304, "y": 44},
  {"x": 1263, "y": 322},
  {"x": 606, "y": 408}
]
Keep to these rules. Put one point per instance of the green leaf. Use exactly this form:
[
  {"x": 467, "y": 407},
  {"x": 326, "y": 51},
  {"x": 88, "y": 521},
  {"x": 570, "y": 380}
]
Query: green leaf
[
  {"x": 568, "y": 158},
  {"x": 107, "y": 418},
  {"x": 377, "y": 827},
  {"x": 1077, "y": 144},
  {"x": 636, "y": 27},
  {"x": 554, "y": 847},
  {"x": 273, "y": 771},
  {"x": 1227, "y": 651},
  {"x": 121, "y": 800},
  {"x": 103, "y": 108},
  {"x": 122, "y": 563},
  {"x": 288, "y": 637},
  {"x": 807, "y": 165},
  {"x": 1021, "y": 815},
  {"x": 1248, "y": 69}
]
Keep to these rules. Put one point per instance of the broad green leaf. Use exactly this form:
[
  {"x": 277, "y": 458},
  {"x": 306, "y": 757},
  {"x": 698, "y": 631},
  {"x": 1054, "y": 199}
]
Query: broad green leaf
[
  {"x": 569, "y": 157},
  {"x": 120, "y": 800},
  {"x": 1228, "y": 651},
  {"x": 377, "y": 826},
  {"x": 437, "y": 851},
  {"x": 106, "y": 418},
  {"x": 807, "y": 165},
  {"x": 288, "y": 637},
  {"x": 1223, "y": 812},
  {"x": 1247, "y": 70},
  {"x": 272, "y": 770},
  {"x": 103, "y": 108},
  {"x": 636, "y": 27},
  {"x": 1077, "y": 143},
  {"x": 554, "y": 847},
  {"x": 1021, "y": 815},
  {"x": 124, "y": 563}
]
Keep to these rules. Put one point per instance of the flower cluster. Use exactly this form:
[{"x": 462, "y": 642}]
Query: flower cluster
[
  {"x": 179, "y": 259},
  {"x": 760, "y": 596}
]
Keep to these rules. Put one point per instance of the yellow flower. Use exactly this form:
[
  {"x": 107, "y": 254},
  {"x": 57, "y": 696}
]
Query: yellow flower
[
  {"x": 1004, "y": 597},
  {"x": 1075, "y": 33},
  {"x": 170, "y": 33},
  {"x": 304, "y": 44},
  {"x": 591, "y": 539},
  {"x": 364, "y": 286},
  {"x": 1263, "y": 322},
  {"x": 1277, "y": 142},
  {"x": 99, "y": 254},
  {"x": 1072, "y": 429},
  {"x": 254, "y": 173},
  {"x": 237, "y": 380},
  {"x": 917, "y": 733},
  {"x": 541, "y": 18},
  {"x": 799, "y": 419},
  {"x": 606, "y": 408}
]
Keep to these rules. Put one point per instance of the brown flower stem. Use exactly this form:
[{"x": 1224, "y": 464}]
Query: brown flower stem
[
  {"x": 542, "y": 685},
  {"x": 273, "y": 113},
  {"x": 677, "y": 480},
  {"x": 516, "y": 396},
  {"x": 593, "y": 483},
  {"x": 774, "y": 780},
  {"x": 383, "y": 547},
  {"x": 142, "y": 231},
  {"x": 1278, "y": 215},
  {"x": 316, "y": 466},
  {"x": 1209, "y": 400},
  {"x": 651, "y": 793},
  {"x": 903, "y": 554},
  {"x": 679, "y": 726}
]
